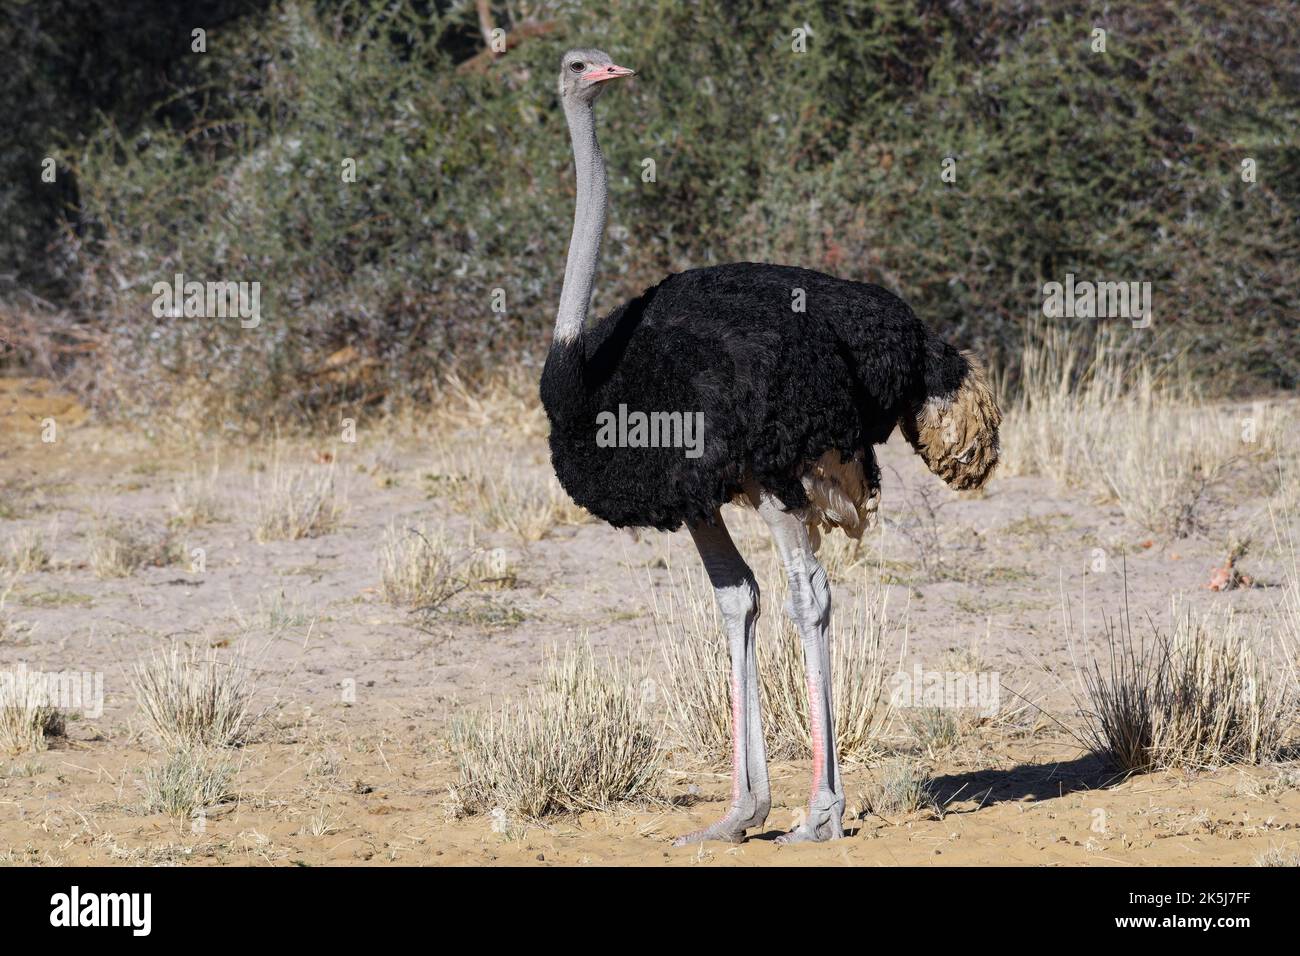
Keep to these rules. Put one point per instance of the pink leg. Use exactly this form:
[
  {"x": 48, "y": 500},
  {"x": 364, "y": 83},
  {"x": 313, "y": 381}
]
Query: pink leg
[
  {"x": 737, "y": 595},
  {"x": 810, "y": 607}
]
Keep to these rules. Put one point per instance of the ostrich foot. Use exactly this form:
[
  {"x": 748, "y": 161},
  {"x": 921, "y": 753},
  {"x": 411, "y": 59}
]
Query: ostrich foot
[
  {"x": 823, "y": 823},
  {"x": 730, "y": 829}
]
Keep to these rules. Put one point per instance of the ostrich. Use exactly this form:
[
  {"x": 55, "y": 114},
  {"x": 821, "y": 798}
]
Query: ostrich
[{"x": 791, "y": 402}]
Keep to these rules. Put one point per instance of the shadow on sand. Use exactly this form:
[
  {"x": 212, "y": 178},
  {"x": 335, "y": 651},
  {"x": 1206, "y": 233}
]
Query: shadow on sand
[{"x": 1027, "y": 782}]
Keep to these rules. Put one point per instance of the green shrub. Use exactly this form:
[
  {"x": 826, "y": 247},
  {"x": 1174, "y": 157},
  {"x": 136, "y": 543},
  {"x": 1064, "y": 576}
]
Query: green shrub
[{"x": 1123, "y": 165}]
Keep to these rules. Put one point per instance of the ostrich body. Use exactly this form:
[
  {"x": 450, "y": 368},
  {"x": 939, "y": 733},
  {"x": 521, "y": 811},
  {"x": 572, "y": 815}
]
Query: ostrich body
[{"x": 791, "y": 403}]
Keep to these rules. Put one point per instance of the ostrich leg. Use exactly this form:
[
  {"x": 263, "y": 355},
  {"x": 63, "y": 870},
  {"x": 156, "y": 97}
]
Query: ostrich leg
[
  {"x": 810, "y": 609},
  {"x": 737, "y": 596}
]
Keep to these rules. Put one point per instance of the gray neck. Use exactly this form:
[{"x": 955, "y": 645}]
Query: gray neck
[{"x": 588, "y": 223}]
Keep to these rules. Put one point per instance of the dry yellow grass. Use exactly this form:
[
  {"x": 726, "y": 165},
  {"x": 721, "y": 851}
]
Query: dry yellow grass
[
  {"x": 502, "y": 404},
  {"x": 1095, "y": 415},
  {"x": 296, "y": 502},
  {"x": 696, "y": 676},
  {"x": 196, "y": 698},
  {"x": 582, "y": 741},
  {"x": 28, "y": 718},
  {"x": 27, "y": 552},
  {"x": 486, "y": 482},
  {"x": 195, "y": 500},
  {"x": 1201, "y": 698},
  {"x": 422, "y": 567},
  {"x": 118, "y": 548}
]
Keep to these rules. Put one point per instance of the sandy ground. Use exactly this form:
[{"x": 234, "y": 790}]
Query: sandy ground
[{"x": 351, "y": 764}]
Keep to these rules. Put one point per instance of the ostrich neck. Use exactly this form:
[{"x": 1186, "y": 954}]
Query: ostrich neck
[{"x": 588, "y": 223}]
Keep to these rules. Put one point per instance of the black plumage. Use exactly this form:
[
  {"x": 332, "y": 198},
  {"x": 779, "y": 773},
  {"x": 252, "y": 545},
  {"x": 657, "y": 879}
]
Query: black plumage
[{"x": 777, "y": 387}]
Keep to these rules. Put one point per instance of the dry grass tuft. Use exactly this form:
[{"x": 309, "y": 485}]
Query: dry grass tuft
[
  {"x": 581, "y": 742},
  {"x": 422, "y": 569},
  {"x": 1288, "y": 609},
  {"x": 1202, "y": 698},
  {"x": 497, "y": 486},
  {"x": 296, "y": 503},
  {"x": 934, "y": 728},
  {"x": 196, "y": 698},
  {"x": 899, "y": 785},
  {"x": 527, "y": 505},
  {"x": 195, "y": 501},
  {"x": 1276, "y": 856},
  {"x": 188, "y": 781},
  {"x": 27, "y": 552},
  {"x": 696, "y": 676},
  {"x": 118, "y": 548},
  {"x": 27, "y": 717}
]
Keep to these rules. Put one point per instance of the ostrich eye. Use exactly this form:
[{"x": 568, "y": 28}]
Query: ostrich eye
[{"x": 577, "y": 66}]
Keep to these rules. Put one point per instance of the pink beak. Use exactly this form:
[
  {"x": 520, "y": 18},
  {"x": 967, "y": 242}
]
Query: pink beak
[{"x": 601, "y": 73}]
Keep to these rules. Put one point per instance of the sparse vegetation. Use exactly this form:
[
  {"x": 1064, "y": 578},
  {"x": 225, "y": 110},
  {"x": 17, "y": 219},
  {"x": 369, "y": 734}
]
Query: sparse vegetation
[
  {"x": 1201, "y": 698},
  {"x": 196, "y": 697},
  {"x": 187, "y": 781},
  {"x": 524, "y": 503},
  {"x": 1276, "y": 856},
  {"x": 1093, "y": 414},
  {"x": 899, "y": 785},
  {"x": 279, "y": 614},
  {"x": 28, "y": 718},
  {"x": 422, "y": 569},
  {"x": 27, "y": 552},
  {"x": 417, "y": 567},
  {"x": 294, "y": 503},
  {"x": 695, "y": 679},
  {"x": 579, "y": 742},
  {"x": 934, "y": 728},
  {"x": 118, "y": 548},
  {"x": 195, "y": 501},
  {"x": 1280, "y": 780}
]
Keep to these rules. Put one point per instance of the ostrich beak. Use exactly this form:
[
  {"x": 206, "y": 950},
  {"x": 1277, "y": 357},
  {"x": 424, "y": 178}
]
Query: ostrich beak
[{"x": 611, "y": 72}]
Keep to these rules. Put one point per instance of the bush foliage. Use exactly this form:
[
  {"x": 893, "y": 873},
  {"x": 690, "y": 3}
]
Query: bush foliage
[{"x": 1123, "y": 165}]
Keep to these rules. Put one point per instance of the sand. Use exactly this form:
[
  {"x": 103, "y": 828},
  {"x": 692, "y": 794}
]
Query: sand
[{"x": 350, "y": 763}]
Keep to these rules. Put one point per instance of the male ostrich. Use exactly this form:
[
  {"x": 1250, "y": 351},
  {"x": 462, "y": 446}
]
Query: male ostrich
[{"x": 792, "y": 403}]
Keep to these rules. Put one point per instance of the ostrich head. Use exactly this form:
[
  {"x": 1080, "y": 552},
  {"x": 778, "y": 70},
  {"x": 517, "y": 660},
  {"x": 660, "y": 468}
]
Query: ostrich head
[
  {"x": 583, "y": 74},
  {"x": 955, "y": 430}
]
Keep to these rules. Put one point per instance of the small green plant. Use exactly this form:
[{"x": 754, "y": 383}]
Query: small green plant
[
  {"x": 934, "y": 728},
  {"x": 899, "y": 785}
]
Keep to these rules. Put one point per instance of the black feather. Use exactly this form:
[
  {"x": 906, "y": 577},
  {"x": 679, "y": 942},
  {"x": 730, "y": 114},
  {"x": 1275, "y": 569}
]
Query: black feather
[{"x": 777, "y": 388}]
